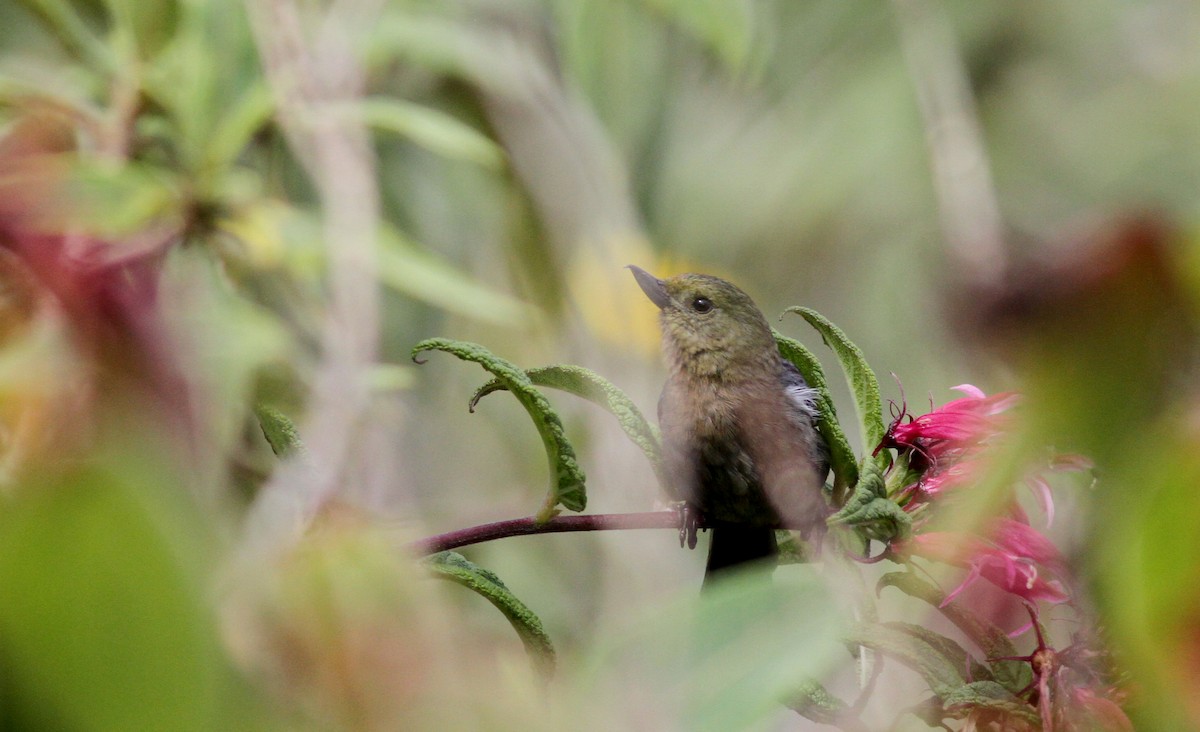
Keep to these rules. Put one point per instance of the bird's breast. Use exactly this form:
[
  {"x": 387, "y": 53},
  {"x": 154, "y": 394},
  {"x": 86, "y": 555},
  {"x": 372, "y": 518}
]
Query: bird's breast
[{"x": 743, "y": 454}]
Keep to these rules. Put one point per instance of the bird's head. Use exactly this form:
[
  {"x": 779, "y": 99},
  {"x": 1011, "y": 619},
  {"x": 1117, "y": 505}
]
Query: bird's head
[{"x": 710, "y": 327}]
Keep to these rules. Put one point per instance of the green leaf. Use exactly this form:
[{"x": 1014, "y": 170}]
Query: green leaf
[
  {"x": 725, "y": 26},
  {"x": 432, "y": 129},
  {"x": 993, "y": 641},
  {"x": 902, "y": 474},
  {"x": 939, "y": 672},
  {"x": 61, "y": 97},
  {"x": 148, "y": 24},
  {"x": 456, "y": 568},
  {"x": 279, "y": 430},
  {"x": 242, "y": 119},
  {"x": 870, "y": 510},
  {"x": 432, "y": 42},
  {"x": 118, "y": 201},
  {"x": 870, "y": 486},
  {"x": 993, "y": 696},
  {"x": 880, "y": 519},
  {"x": 859, "y": 375},
  {"x": 418, "y": 273},
  {"x": 842, "y": 460},
  {"x": 567, "y": 479},
  {"x": 814, "y": 702},
  {"x": 595, "y": 388},
  {"x": 272, "y": 230},
  {"x": 75, "y": 35},
  {"x": 790, "y": 549},
  {"x": 100, "y": 565},
  {"x": 952, "y": 651}
]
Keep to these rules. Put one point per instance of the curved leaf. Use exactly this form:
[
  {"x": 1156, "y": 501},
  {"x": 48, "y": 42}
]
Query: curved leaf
[
  {"x": 408, "y": 268},
  {"x": 456, "y": 568},
  {"x": 567, "y": 479},
  {"x": 870, "y": 510},
  {"x": 727, "y": 28},
  {"x": 841, "y": 455},
  {"x": 993, "y": 696},
  {"x": 280, "y": 431},
  {"x": 950, "y": 650},
  {"x": 118, "y": 203},
  {"x": 814, "y": 702},
  {"x": 991, "y": 640},
  {"x": 240, "y": 120},
  {"x": 589, "y": 385},
  {"x": 941, "y": 674},
  {"x": 859, "y": 375},
  {"x": 432, "y": 129},
  {"x": 73, "y": 32}
]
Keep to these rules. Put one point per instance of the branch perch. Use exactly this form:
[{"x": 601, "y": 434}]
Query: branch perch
[{"x": 529, "y": 525}]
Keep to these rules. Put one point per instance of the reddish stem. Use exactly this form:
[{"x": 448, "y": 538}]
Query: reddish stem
[{"x": 530, "y": 525}]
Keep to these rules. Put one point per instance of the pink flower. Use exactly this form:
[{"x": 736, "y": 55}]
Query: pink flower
[
  {"x": 1014, "y": 557},
  {"x": 954, "y": 426},
  {"x": 1065, "y": 685},
  {"x": 946, "y": 475},
  {"x": 1099, "y": 713},
  {"x": 943, "y": 445}
]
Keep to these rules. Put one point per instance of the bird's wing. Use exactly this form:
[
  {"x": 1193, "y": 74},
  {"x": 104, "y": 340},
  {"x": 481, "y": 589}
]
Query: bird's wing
[
  {"x": 801, "y": 396},
  {"x": 806, "y": 407}
]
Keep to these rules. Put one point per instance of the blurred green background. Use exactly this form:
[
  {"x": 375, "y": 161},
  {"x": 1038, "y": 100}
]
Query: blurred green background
[{"x": 207, "y": 206}]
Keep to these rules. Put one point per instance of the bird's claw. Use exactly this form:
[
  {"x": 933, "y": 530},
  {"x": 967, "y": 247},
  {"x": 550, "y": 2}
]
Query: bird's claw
[{"x": 689, "y": 525}]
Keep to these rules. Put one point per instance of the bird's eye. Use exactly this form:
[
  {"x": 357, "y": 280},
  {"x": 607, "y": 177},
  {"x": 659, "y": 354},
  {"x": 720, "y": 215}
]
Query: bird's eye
[{"x": 702, "y": 305}]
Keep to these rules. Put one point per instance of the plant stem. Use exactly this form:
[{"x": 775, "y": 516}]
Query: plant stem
[{"x": 529, "y": 525}]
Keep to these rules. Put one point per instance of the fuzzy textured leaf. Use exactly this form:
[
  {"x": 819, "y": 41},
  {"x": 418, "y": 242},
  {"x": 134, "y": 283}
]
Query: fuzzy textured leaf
[
  {"x": 859, "y": 375},
  {"x": 1014, "y": 675},
  {"x": 993, "y": 696},
  {"x": 814, "y": 702},
  {"x": 939, "y": 673},
  {"x": 870, "y": 510},
  {"x": 280, "y": 431},
  {"x": 901, "y": 475},
  {"x": 952, "y": 651},
  {"x": 869, "y": 487},
  {"x": 456, "y": 568},
  {"x": 589, "y": 385},
  {"x": 567, "y": 478},
  {"x": 843, "y": 462}
]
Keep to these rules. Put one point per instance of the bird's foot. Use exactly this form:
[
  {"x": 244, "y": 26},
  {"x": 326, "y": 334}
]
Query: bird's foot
[{"x": 689, "y": 524}]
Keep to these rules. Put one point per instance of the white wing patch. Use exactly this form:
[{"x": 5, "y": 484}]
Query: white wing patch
[{"x": 804, "y": 398}]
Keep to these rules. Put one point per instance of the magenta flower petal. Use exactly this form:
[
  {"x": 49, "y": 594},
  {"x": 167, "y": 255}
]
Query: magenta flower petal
[
  {"x": 970, "y": 390},
  {"x": 1041, "y": 490},
  {"x": 1016, "y": 558},
  {"x": 1103, "y": 713},
  {"x": 1020, "y": 539}
]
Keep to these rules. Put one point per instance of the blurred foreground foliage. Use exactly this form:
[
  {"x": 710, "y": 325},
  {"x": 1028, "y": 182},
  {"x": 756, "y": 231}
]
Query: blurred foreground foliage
[{"x": 171, "y": 291}]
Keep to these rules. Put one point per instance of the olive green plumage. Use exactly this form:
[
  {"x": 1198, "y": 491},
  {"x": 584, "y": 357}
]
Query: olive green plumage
[{"x": 738, "y": 421}]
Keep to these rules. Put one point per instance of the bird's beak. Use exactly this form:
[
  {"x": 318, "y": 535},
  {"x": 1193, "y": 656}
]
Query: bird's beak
[{"x": 654, "y": 288}]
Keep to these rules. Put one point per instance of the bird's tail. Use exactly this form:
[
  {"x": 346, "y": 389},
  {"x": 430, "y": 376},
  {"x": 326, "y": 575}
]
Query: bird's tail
[{"x": 736, "y": 544}]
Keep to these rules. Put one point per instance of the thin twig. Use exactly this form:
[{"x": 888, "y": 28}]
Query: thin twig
[{"x": 529, "y": 525}]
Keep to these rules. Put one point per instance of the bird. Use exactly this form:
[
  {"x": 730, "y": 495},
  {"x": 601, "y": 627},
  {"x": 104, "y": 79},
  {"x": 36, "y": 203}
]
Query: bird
[{"x": 741, "y": 448}]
